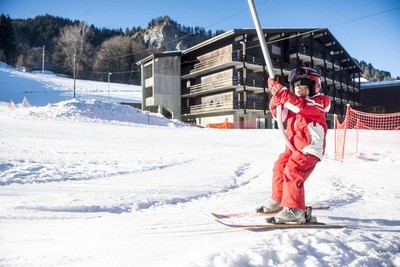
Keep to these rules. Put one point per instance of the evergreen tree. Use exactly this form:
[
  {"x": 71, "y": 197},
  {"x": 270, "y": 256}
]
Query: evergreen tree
[
  {"x": 41, "y": 30},
  {"x": 8, "y": 42},
  {"x": 372, "y": 74}
]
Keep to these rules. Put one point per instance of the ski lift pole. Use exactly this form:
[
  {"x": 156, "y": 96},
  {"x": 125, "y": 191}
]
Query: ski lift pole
[{"x": 270, "y": 69}]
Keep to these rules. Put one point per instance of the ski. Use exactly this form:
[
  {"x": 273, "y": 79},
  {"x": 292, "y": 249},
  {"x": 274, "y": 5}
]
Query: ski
[
  {"x": 262, "y": 225},
  {"x": 253, "y": 213}
]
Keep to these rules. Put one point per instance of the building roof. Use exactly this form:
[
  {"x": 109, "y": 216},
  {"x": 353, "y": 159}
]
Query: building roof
[
  {"x": 369, "y": 85},
  {"x": 155, "y": 55}
]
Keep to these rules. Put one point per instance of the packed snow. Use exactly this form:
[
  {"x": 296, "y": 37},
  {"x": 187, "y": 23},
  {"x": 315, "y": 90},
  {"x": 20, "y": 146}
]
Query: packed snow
[{"x": 91, "y": 182}]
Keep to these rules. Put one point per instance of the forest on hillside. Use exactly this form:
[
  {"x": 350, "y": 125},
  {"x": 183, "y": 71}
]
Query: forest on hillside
[
  {"x": 74, "y": 48},
  {"x": 374, "y": 75}
]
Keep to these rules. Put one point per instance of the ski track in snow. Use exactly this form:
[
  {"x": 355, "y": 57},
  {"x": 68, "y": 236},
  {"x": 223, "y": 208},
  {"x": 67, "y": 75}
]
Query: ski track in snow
[
  {"x": 62, "y": 174},
  {"x": 33, "y": 172},
  {"x": 127, "y": 205}
]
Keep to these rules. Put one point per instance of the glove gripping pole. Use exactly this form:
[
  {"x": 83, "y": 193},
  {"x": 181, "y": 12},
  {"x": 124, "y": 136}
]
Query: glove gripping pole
[{"x": 270, "y": 69}]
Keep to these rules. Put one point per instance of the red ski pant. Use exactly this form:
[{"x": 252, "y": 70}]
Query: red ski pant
[{"x": 290, "y": 172}]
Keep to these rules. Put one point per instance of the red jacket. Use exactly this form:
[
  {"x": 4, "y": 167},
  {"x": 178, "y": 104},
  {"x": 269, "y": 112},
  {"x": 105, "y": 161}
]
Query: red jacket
[{"x": 306, "y": 122}]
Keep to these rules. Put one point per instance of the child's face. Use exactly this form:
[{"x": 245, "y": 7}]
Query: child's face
[{"x": 301, "y": 90}]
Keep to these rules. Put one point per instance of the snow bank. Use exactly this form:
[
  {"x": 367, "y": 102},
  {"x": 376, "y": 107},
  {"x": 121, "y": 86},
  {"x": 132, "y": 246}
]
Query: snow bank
[{"x": 93, "y": 110}]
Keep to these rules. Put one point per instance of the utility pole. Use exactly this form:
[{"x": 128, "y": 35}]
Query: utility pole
[
  {"x": 109, "y": 74},
  {"x": 74, "y": 73},
  {"x": 43, "y": 61}
]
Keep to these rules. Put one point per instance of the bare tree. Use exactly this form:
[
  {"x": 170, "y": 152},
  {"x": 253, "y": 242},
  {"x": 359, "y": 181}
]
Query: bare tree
[
  {"x": 119, "y": 55},
  {"x": 113, "y": 55},
  {"x": 73, "y": 50}
]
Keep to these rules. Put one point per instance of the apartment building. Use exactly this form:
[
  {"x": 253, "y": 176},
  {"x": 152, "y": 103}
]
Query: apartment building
[{"x": 224, "y": 78}]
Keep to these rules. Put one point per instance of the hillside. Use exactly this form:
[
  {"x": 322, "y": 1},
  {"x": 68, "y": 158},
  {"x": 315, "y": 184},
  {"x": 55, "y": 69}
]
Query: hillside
[
  {"x": 38, "y": 88},
  {"x": 168, "y": 35},
  {"x": 26, "y": 40},
  {"x": 374, "y": 75}
]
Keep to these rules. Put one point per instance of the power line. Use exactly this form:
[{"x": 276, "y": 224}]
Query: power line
[{"x": 364, "y": 17}]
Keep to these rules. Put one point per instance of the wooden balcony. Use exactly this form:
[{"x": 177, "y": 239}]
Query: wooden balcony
[
  {"x": 344, "y": 101},
  {"x": 330, "y": 79},
  {"x": 222, "y": 107},
  {"x": 256, "y": 85},
  {"x": 234, "y": 60},
  {"x": 211, "y": 65},
  {"x": 209, "y": 87},
  {"x": 317, "y": 57}
]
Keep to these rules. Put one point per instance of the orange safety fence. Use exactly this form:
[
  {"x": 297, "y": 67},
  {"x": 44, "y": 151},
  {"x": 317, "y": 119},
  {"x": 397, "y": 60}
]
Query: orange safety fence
[
  {"x": 224, "y": 125},
  {"x": 362, "y": 132}
]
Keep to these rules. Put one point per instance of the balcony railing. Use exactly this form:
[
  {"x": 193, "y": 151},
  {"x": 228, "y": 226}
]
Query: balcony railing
[
  {"x": 343, "y": 101},
  {"x": 222, "y": 84},
  {"x": 223, "y": 106},
  {"x": 318, "y": 57},
  {"x": 227, "y": 59},
  {"x": 214, "y": 61},
  {"x": 210, "y": 86},
  {"x": 351, "y": 86},
  {"x": 221, "y": 60}
]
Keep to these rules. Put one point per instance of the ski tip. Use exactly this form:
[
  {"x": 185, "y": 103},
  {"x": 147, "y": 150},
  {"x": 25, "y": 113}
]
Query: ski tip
[
  {"x": 219, "y": 216},
  {"x": 319, "y": 207}
]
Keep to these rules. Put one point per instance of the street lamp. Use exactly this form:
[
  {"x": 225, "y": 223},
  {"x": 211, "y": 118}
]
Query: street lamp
[
  {"x": 109, "y": 74},
  {"x": 74, "y": 75}
]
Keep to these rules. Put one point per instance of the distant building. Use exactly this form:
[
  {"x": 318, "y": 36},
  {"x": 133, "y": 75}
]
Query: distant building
[
  {"x": 380, "y": 97},
  {"x": 161, "y": 84},
  {"x": 224, "y": 78}
]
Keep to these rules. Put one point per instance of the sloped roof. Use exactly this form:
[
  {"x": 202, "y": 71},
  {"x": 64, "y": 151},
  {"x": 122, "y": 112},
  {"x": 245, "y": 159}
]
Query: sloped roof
[
  {"x": 395, "y": 83},
  {"x": 156, "y": 55}
]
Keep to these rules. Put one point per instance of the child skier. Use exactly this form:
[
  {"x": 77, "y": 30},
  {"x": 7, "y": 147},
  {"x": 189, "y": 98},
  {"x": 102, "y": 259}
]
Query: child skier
[{"x": 305, "y": 108}]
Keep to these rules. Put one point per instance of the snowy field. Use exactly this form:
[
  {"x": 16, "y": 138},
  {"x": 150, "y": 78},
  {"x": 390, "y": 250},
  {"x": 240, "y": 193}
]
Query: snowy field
[{"x": 89, "y": 182}]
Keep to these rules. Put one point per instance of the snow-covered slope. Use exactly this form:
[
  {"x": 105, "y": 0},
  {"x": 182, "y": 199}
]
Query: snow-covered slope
[
  {"x": 89, "y": 182},
  {"x": 42, "y": 89}
]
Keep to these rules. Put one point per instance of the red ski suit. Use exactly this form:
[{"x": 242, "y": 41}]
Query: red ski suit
[{"x": 306, "y": 131}]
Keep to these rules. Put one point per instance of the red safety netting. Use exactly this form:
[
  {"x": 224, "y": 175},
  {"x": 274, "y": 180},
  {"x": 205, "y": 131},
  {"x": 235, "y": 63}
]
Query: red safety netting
[{"x": 362, "y": 132}]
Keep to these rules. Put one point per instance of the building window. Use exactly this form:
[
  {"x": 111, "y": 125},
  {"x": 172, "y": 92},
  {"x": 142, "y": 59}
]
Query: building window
[
  {"x": 276, "y": 50},
  {"x": 149, "y": 91},
  {"x": 148, "y": 71}
]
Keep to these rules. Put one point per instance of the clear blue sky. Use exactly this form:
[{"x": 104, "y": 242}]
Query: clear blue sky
[{"x": 368, "y": 29}]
